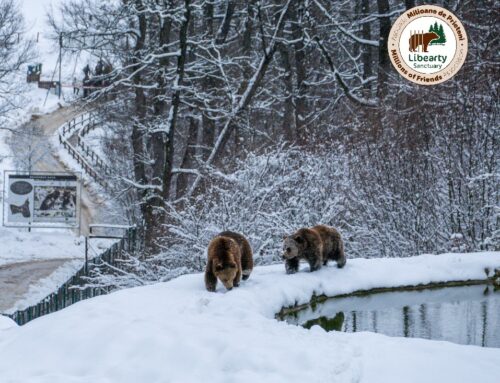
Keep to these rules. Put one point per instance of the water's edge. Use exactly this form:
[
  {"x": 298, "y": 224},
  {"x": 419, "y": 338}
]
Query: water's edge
[{"x": 316, "y": 299}]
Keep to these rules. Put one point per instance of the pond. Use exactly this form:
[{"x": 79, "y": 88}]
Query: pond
[{"x": 464, "y": 315}]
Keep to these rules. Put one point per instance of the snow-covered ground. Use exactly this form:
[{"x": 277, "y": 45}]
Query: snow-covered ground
[
  {"x": 178, "y": 332},
  {"x": 20, "y": 246}
]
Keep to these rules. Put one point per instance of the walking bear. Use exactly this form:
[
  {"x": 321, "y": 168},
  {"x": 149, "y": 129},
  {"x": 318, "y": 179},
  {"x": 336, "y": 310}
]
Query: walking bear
[
  {"x": 229, "y": 259},
  {"x": 317, "y": 245}
]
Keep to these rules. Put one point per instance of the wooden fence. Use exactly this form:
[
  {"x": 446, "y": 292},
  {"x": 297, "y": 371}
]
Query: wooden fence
[
  {"x": 73, "y": 290},
  {"x": 90, "y": 162}
]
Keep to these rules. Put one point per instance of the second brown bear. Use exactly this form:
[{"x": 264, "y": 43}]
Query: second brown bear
[
  {"x": 317, "y": 245},
  {"x": 229, "y": 260}
]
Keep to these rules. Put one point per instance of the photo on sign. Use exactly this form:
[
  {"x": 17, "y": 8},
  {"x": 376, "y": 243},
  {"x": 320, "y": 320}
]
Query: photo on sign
[{"x": 55, "y": 203}]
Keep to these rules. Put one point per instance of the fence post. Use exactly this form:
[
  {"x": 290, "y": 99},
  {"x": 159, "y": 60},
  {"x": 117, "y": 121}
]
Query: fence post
[{"x": 86, "y": 255}]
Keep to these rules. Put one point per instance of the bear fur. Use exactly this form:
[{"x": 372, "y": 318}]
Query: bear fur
[
  {"x": 317, "y": 245},
  {"x": 229, "y": 259},
  {"x": 423, "y": 39}
]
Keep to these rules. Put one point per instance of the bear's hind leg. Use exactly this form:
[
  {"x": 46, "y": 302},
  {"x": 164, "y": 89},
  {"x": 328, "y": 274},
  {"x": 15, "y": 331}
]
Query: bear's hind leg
[
  {"x": 314, "y": 262},
  {"x": 246, "y": 261},
  {"x": 314, "y": 266},
  {"x": 340, "y": 256}
]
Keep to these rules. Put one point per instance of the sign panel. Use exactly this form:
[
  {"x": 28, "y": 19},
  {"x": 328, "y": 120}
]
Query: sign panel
[{"x": 41, "y": 200}]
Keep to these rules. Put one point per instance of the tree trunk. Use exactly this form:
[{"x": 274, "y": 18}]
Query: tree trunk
[
  {"x": 188, "y": 159},
  {"x": 288, "y": 109},
  {"x": 207, "y": 126},
  {"x": 226, "y": 23},
  {"x": 409, "y": 4},
  {"x": 300, "y": 73},
  {"x": 172, "y": 117},
  {"x": 138, "y": 130},
  {"x": 383, "y": 56},
  {"x": 367, "y": 50}
]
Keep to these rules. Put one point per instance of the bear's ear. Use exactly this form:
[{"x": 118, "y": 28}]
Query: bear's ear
[
  {"x": 299, "y": 239},
  {"x": 285, "y": 236},
  {"x": 219, "y": 267}
]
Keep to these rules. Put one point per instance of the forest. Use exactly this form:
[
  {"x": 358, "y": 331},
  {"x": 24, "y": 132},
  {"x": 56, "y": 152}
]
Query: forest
[{"x": 266, "y": 116}]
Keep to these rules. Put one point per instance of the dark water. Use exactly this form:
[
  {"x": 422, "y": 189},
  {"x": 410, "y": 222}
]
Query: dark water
[{"x": 464, "y": 315}]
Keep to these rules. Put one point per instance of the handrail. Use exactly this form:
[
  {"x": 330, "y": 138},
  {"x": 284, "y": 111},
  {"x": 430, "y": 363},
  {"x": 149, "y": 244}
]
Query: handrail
[
  {"x": 66, "y": 131},
  {"x": 82, "y": 132}
]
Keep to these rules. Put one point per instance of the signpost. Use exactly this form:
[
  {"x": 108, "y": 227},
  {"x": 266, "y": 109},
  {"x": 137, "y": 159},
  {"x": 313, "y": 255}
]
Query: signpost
[{"x": 41, "y": 199}]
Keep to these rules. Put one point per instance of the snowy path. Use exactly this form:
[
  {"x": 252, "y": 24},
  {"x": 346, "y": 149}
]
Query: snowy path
[
  {"x": 16, "y": 279},
  {"x": 45, "y": 160}
]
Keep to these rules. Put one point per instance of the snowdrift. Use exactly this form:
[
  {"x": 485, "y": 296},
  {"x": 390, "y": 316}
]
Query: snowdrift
[{"x": 178, "y": 332}]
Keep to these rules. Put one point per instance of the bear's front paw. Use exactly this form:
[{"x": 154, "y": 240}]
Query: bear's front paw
[{"x": 211, "y": 289}]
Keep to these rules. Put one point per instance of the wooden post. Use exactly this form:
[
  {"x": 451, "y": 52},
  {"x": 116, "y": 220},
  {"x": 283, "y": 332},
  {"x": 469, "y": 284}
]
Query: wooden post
[
  {"x": 87, "y": 254},
  {"x": 60, "y": 62}
]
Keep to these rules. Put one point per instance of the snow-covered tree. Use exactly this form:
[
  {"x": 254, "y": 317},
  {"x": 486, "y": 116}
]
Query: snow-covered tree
[{"x": 15, "y": 51}]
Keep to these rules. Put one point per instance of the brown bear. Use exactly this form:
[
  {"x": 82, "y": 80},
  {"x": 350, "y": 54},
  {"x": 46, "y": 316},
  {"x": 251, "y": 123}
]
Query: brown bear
[
  {"x": 423, "y": 39},
  {"x": 229, "y": 259},
  {"x": 317, "y": 245}
]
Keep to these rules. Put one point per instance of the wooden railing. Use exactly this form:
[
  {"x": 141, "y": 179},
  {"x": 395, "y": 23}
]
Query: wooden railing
[
  {"x": 86, "y": 150},
  {"x": 81, "y": 152}
]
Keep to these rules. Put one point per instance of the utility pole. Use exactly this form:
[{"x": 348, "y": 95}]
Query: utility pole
[{"x": 60, "y": 62}]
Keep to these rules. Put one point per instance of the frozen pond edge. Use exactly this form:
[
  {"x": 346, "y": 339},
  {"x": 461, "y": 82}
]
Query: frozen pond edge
[{"x": 317, "y": 299}]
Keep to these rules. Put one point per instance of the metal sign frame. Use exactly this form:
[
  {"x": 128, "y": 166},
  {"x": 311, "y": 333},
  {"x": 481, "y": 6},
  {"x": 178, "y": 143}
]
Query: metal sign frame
[{"x": 42, "y": 225}]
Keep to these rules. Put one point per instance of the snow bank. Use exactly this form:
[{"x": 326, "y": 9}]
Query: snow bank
[
  {"x": 6, "y": 323},
  {"x": 178, "y": 332},
  {"x": 20, "y": 246}
]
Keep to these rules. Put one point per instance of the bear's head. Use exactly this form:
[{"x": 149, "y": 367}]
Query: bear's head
[
  {"x": 226, "y": 254},
  {"x": 293, "y": 245},
  {"x": 226, "y": 272}
]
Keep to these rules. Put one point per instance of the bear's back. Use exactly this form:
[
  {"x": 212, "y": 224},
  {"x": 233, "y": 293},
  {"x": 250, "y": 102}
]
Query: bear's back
[{"x": 330, "y": 237}]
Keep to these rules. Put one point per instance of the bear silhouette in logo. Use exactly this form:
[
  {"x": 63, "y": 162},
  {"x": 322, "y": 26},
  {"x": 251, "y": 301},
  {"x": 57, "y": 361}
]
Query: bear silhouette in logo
[
  {"x": 422, "y": 39},
  {"x": 23, "y": 209}
]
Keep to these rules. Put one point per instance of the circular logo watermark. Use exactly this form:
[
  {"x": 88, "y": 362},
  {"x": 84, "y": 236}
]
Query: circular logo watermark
[{"x": 427, "y": 44}]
